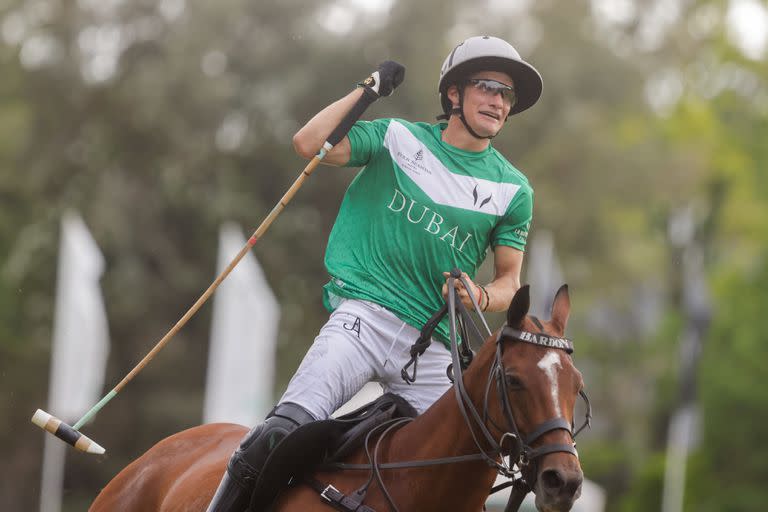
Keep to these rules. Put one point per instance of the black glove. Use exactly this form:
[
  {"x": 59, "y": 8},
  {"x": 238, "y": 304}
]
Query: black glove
[{"x": 383, "y": 81}]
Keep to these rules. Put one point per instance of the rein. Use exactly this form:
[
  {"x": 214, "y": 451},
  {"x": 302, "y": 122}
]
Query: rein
[
  {"x": 523, "y": 453},
  {"x": 520, "y": 455}
]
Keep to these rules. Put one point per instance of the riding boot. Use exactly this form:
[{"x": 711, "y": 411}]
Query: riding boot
[
  {"x": 245, "y": 465},
  {"x": 230, "y": 496}
]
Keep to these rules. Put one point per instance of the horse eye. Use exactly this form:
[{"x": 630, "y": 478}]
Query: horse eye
[{"x": 514, "y": 382}]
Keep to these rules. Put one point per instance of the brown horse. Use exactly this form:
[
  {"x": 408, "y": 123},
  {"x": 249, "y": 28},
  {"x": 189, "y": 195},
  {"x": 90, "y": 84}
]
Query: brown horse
[{"x": 516, "y": 399}]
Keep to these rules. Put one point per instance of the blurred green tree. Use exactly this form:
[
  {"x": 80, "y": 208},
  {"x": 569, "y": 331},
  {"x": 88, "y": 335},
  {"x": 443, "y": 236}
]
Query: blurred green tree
[{"x": 160, "y": 120}]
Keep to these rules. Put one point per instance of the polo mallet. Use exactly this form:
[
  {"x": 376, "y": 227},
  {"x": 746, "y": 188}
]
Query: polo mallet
[{"x": 71, "y": 434}]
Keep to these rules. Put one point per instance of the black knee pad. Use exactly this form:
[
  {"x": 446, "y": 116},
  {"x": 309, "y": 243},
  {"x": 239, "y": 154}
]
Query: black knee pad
[{"x": 247, "y": 461}]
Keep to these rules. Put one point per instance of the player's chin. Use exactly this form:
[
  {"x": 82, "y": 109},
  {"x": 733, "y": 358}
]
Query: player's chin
[{"x": 487, "y": 126}]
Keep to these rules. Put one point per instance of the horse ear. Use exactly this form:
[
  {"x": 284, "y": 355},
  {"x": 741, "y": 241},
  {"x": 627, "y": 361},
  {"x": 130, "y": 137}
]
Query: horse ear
[
  {"x": 561, "y": 308},
  {"x": 519, "y": 306}
]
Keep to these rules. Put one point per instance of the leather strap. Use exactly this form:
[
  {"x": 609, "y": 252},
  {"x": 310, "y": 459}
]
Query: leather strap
[{"x": 337, "y": 499}]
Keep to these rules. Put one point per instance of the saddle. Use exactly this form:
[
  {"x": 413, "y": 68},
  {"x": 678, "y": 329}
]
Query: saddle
[{"x": 321, "y": 442}]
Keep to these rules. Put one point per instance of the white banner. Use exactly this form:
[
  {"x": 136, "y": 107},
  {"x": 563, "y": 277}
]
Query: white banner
[
  {"x": 243, "y": 337},
  {"x": 80, "y": 345},
  {"x": 544, "y": 273}
]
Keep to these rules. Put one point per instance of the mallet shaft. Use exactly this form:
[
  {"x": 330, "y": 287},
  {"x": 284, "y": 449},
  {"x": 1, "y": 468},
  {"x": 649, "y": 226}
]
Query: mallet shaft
[
  {"x": 71, "y": 434},
  {"x": 212, "y": 288}
]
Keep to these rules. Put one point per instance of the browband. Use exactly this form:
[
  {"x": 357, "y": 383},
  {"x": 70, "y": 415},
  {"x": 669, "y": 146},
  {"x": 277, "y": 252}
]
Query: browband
[{"x": 538, "y": 338}]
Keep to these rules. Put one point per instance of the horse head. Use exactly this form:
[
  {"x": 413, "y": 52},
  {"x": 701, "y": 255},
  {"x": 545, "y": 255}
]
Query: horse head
[{"x": 537, "y": 388}]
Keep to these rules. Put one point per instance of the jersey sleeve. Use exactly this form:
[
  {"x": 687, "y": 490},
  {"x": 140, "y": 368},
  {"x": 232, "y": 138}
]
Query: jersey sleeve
[
  {"x": 366, "y": 139},
  {"x": 512, "y": 229}
]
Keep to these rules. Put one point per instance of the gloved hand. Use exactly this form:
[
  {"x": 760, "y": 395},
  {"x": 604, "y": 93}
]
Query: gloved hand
[{"x": 383, "y": 81}]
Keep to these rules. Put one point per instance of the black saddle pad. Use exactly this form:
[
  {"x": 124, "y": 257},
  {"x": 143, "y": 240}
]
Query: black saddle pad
[{"x": 313, "y": 443}]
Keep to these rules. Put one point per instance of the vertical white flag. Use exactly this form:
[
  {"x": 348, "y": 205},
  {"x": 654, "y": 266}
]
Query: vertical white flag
[
  {"x": 543, "y": 274},
  {"x": 80, "y": 345},
  {"x": 243, "y": 336}
]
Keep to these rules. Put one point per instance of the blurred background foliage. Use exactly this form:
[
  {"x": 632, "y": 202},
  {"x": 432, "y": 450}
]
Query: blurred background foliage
[{"x": 160, "y": 120}]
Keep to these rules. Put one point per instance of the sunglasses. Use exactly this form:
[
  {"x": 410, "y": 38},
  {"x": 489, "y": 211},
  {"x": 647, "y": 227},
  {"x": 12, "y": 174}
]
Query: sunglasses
[{"x": 492, "y": 88}]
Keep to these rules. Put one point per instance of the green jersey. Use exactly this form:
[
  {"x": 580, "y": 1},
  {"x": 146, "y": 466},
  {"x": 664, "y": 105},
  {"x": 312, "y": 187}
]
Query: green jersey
[{"x": 418, "y": 208}]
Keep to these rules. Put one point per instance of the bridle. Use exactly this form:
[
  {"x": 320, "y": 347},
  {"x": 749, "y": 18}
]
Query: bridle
[{"x": 520, "y": 455}]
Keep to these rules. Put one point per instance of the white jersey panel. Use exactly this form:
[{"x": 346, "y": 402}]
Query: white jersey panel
[{"x": 441, "y": 185}]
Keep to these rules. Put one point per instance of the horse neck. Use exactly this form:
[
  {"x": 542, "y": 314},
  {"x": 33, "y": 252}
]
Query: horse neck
[
  {"x": 445, "y": 417},
  {"x": 442, "y": 431}
]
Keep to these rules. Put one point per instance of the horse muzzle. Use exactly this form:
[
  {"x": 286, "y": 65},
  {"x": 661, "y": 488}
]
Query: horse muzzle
[{"x": 557, "y": 489}]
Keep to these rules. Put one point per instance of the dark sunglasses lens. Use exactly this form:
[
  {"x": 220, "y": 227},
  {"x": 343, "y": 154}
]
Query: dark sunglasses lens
[
  {"x": 509, "y": 96},
  {"x": 494, "y": 87}
]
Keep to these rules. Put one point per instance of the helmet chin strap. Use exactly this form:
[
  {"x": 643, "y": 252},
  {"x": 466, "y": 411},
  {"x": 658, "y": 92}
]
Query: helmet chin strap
[{"x": 459, "y": 111}]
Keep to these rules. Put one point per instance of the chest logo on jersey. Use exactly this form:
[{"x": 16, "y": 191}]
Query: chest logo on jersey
[
  {"x": 413, "y": 164},
  {"x": 476, "y": 197},
  {"x": 429, "y": 220}
]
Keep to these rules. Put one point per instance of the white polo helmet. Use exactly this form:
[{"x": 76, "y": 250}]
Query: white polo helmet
[{"x": 488, "y": 53}]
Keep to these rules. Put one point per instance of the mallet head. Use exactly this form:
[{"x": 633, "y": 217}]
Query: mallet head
[{"x": 66, "y": 433}]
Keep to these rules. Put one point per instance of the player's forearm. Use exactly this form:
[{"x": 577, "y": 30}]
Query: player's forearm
[
  {"x": 311, "y": 136},
  {"x": 499, "y": 292}
]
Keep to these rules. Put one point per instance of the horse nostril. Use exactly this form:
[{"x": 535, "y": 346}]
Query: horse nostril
[
  {"x": 561, "y": 484},
  {"x": 552, "y": 480},
  {"x": 573, "y": 486}
]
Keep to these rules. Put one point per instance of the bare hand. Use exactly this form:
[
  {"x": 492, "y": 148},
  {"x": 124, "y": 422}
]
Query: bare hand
[{"x": 463, "y": 292}]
